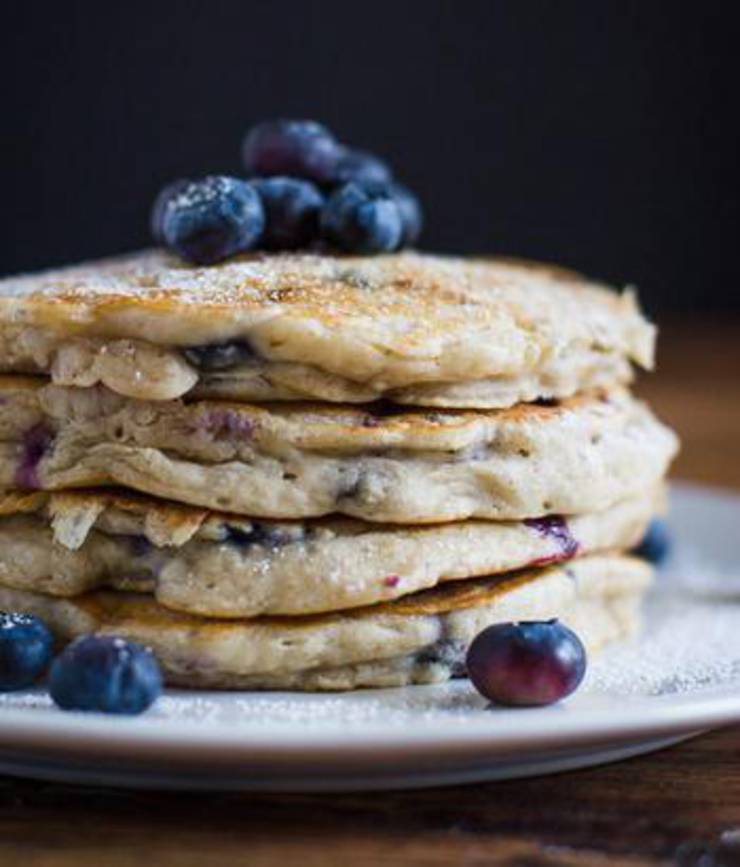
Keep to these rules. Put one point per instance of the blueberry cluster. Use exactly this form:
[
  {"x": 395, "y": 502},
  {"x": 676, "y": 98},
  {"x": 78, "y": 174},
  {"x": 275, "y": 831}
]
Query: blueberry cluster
[
  {"x": 303, "y": 189},
  {"x": 101, "y": 673}
]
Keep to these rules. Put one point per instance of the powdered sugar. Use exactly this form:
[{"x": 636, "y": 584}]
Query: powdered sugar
[{"x": 690, "y": 643}]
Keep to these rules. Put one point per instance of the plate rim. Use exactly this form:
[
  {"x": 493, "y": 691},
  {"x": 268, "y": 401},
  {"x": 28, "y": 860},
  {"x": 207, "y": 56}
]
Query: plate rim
[{"x": 504, "y": 732}]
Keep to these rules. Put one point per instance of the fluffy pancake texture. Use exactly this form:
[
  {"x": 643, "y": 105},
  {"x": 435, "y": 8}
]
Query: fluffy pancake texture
[
  {"x": 228, "y": 566},
  {"x": 297, "y": 461},
  {"x": 415, "y": 328},
  {"x": 418, "y": 639}
]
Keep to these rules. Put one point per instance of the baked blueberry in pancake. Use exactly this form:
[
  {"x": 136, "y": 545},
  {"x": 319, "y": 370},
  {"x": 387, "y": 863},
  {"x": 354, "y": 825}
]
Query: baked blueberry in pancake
[
  {"x": 410, "y": 327},
  {"x": 420, "y": 638},
  {"x": 309, "y": 460},
  {"x": 228, "y": 566},
  {"x": 287, "y": 452}
]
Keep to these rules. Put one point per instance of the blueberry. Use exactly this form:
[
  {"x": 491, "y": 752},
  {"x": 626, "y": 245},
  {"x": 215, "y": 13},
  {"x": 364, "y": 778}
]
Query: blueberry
[
  {"x": 107, "y": 674},
  {"x": 526, "y": 664},
  {"x": 292, "y": 207},
  {"x": 219, "y": 356},
  {"x": 36, "y": 444},
  {"x": 138, "y": 544},
  {"x": 411, "y": 214},
  {"x": 557, "y": 530},
  {"x": 447, "y": 652},
  {"x": 301, "y": 148},
  {"x": 362, "y": 218},
  {"x": 258, "y": 535},
  {"x": 25, "y": 650},
  {"x": 210, "y": 219},
  {"x": 656, "y": 544},
  {"x": 361, "y": 166},
  {"x": 164, "y": 196}
]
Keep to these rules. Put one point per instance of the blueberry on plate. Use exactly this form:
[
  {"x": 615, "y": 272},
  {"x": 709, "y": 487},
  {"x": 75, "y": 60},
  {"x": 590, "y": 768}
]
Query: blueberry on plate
[
  {"x": 656, "y": 544},
  {"x": 362, "y": 218},
  {"x": 411, "y": 213},
  {"x": 526, "y": 664},
  {"x": 209, "y": 219},
  {"x": 361, "y": 166},
  {"x": 107, "y": 674},
  {"x": 300, "y": 148},
  {"x": 26, "y": 645},
  {"x": 292, "y": 207}
]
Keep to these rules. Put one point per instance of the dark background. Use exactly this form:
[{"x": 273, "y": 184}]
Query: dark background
[{"x": 600, "y": 135}]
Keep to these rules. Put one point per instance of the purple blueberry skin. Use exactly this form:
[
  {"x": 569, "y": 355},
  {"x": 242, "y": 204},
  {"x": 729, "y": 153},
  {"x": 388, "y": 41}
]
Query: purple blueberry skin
[
  {"x": 36, "y": 444},
  {"x": 361, "y": 166},
  {"x": 299, "y": 148},
  {"x": 528, "y": 664},
  {"x": 292, "y": 207},
  {"x": 210, "y": 219},
  {"x": 361, "y": 218},
  {"x": 107, "y": 674},
  {"x": 26, "y": 645}
]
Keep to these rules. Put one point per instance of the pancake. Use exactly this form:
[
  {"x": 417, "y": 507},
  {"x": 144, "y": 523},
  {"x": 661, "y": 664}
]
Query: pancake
[
  {"x": 222, "y": 565},
  {"x": 299, "y": 461},
  {"x": 415, "y": 328},
  {"x": 418, "y": 639}
]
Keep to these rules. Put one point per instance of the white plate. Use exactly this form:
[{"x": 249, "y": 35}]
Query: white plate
[{"x": 683, "y": 676}]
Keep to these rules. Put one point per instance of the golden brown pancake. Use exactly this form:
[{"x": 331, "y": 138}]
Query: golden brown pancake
[
  {"x": 418, "y": 639},
  {"x": 223, "y": 565},
  {"x": 296, "y": 461},
  {"x": 415, "y": 328}
]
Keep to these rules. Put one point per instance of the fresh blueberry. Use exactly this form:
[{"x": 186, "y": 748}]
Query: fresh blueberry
[
  {"x": 526, "y": 664},
  {"x": 107, "y": 674},
  {"x": 656, "y": 544},
  {"x": 292, "y": 207},
  {"x": 219, "y": 356},
  {"x": 166, "y": 194},
  {"x": 300, "y": 148},
  {"x": 411, "y": 214},
  {"x": 25, "y": 650},
  {"x": 362, "y": 218},
  {"x": 210, "y": 219},
  {"x": 361, "y": 166}
]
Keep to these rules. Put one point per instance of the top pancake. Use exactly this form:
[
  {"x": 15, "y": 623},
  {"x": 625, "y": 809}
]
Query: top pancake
[{"x": 412, "y": 327}]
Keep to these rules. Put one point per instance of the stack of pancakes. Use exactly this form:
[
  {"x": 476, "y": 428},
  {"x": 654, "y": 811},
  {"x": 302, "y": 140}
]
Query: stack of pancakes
[{"x": 322, "y": 472}]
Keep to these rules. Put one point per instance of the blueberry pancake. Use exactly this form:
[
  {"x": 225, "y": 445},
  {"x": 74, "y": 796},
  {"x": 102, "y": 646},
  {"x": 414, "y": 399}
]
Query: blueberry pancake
[
  {"x": 222, "y": 565},
  {"x": 414, "y": 328},
  {"x": 299, "y": 461},
  {"x": 418, "y": 639}
]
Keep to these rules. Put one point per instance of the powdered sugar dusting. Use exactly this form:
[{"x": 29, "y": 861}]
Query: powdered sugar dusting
[
  {"x": 690, "y": 643},
  {"x": 416, "y": 302}
]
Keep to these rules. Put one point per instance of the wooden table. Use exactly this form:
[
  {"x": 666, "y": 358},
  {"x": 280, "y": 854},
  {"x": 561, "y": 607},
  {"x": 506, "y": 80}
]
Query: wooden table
[{"x": 680, "y": 806}]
